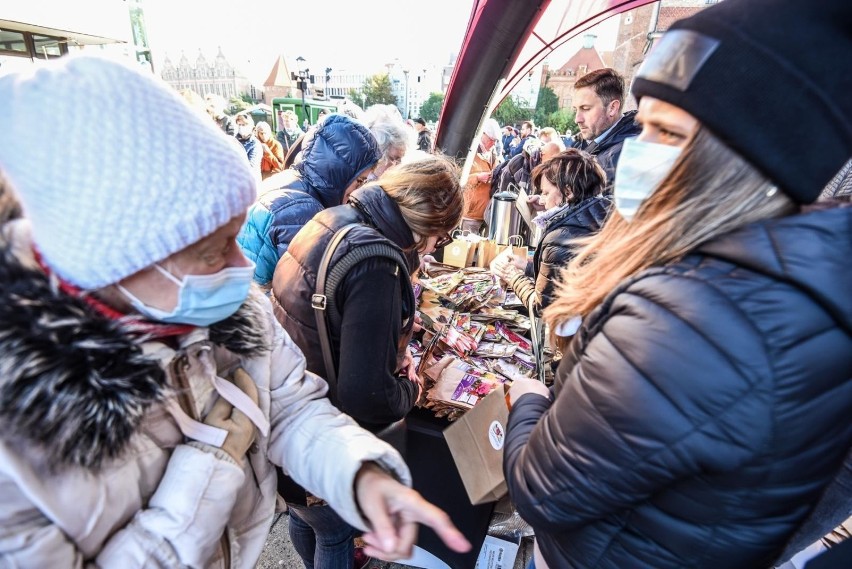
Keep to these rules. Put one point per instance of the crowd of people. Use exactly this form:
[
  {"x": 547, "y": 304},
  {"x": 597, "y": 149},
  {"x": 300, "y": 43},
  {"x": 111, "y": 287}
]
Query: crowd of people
[{"x": 171, "y": 372}]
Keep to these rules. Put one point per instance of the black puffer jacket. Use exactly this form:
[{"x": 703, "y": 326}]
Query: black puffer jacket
[
  {"x": 700, "y": 409},
  {"x": 556, "y": 249},
  {"x": 376, "y": 302},
  {"x": 608, "y": 150}
]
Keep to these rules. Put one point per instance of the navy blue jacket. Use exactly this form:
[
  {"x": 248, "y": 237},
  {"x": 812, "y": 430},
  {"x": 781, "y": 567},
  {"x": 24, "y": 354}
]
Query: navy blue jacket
[
  {"x": 608, "y": 150},
  {"x": 701, "y": 408},
  {"x": 333, "y": 156}
]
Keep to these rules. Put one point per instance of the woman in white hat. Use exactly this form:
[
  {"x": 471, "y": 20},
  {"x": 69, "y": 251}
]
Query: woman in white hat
[{"x": 147, "y": 393}]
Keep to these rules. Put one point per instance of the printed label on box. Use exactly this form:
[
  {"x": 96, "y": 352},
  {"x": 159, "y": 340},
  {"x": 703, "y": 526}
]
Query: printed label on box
[{"x": 497, "y": 553}]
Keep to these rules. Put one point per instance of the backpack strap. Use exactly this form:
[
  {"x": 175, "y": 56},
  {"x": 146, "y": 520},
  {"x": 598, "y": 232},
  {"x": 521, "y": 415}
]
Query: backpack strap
[{"x": 329, "y": 278}]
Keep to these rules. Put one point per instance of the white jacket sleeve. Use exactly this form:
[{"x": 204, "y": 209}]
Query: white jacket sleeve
[{"x": 317, "y": 445}]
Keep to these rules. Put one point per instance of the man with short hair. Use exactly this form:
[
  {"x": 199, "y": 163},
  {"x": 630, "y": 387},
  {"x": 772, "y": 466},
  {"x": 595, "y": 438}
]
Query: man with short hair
[
  {"x": 597, "y": 104},
  {"x": 288, "y": 129},
  {"x": 424, "y": 135},
  {"x": 527, "y": 128}
]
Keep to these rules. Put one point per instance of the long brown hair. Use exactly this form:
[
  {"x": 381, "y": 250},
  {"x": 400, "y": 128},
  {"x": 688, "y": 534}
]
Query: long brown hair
[
  {"x": 427, "y": 192},
  {"x": 710, "y": 191}
]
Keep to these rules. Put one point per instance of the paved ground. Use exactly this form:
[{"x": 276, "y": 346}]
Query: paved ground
[{"x": 279, "y": 552}]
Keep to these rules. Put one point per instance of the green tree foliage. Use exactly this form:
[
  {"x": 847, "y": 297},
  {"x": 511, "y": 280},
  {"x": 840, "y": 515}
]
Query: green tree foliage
[
  {"x": 377, "y": 90},
  {"x": 431, "y": 108},
  {"x": 561, "y": 120},
  {"x": 546, "y": 105},
  {"x": 238, "y": 105},
  {"x": 356, "y": 97},
  {"x": 508, "y": 112}
]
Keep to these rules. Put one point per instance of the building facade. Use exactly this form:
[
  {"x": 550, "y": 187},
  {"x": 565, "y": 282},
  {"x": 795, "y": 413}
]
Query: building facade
[
  {"x": 204, "y": 77},
  {"x": 561, "y": 79},
  {"x": 637, "y": 31}
]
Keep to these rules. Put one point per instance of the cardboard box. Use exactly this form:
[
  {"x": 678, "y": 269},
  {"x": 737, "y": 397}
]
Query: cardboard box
[{"x": 476, "y": 442}]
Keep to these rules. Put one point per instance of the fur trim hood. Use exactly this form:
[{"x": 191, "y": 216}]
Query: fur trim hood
[{"x": 74, "y": 385}]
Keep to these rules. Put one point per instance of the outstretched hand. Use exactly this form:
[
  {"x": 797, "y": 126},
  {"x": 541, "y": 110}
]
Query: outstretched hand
[
  {"x": 393, "y": 511},
  {"x": 506, "y": 265}
]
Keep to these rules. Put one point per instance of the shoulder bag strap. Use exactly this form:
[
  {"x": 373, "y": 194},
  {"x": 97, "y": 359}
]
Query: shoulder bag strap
[
  {"x": 319, "y": 301},
  {"x": 330, "y": 277}
]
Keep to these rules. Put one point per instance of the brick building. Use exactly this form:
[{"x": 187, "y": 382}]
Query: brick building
[
  {"x": 279, "y": 83},
  {"x": 561, "y": 80},
  {"x": 640, "y": 27}
]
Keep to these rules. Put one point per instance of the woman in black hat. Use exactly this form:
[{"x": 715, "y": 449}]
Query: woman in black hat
[{"x": 704, "y": 403}]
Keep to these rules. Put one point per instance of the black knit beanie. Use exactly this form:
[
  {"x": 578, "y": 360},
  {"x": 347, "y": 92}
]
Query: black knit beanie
[{"x": 771, "y": 78}]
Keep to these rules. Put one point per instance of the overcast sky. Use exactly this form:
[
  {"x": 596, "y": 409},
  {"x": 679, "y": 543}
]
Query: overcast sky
[{"x": 341, "y": 34}]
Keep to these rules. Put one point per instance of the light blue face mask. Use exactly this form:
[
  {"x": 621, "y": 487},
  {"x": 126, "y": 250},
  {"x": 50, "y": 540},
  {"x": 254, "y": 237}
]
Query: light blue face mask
[
  {"x": 642, "y": 166},
  {"x": 202, "y": 299}
]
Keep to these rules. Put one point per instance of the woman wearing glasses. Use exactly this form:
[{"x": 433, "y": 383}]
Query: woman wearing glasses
[{"x": 412, "y": 208}]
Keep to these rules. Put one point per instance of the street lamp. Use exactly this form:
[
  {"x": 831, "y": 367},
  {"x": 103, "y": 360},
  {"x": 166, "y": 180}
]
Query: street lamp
[
  {"x": 407, "y": 110},
  {"x": 327, "y": 77},
  {"x": 302, "y": 78}
]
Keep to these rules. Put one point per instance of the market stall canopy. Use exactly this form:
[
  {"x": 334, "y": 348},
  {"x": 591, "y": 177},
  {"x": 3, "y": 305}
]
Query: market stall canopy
[{"x": 505, "y": 39}]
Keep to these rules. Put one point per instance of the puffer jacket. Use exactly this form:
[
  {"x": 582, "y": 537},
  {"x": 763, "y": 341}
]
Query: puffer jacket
[
  {"x": 375, "y": 397},
  {"x": 608, "y": 150},
  {"x": 94, "y": 469},
  {"x": 334, "y": 154},
  {"x": 555, "y": 249},
  {"x": 700, "y": 410}
]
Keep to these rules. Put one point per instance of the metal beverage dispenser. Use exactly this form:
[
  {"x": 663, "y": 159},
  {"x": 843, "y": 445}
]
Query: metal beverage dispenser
[{"x": 504, "y": 219}]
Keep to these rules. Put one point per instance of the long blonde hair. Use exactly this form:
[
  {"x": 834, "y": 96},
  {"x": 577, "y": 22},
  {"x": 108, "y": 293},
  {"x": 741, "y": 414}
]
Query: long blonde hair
[{"x": 710, "y": 191}]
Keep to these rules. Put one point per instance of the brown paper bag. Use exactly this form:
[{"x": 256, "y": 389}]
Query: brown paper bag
[
  {"x": 516, "y": 242},
  {"x": 459, "y": 253},
  {"x": 485, "y": 253},
  {"x": 476, "y": 443}
]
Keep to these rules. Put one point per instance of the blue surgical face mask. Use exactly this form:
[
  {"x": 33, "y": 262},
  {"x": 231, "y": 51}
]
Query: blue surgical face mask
[
  {"x": 202, "y": 299},
  {"x": 642, "y": 166}
]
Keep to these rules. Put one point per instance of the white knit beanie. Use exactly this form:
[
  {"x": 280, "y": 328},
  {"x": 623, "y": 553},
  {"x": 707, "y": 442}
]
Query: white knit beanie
[{"x": 113, "y": 168}]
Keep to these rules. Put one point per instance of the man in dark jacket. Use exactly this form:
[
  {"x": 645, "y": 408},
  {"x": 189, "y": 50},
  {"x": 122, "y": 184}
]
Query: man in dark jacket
[
  {"x": 598, "y": 100},
  {"x": 506, "y": 140},
  {"x": 336, "y": 158},
  {"x": 526, "y": 133},
  {"x": 288, "y": 129},
  {"x": 424, "y": 135}
]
